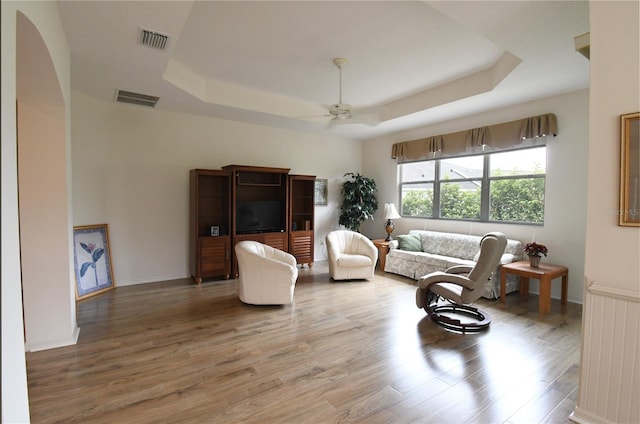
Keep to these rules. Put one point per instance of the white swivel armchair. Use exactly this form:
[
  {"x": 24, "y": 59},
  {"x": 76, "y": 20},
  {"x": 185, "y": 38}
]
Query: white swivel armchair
[
  {"x": 351, "y": 255},
  {"x": 267, "y": 276}
]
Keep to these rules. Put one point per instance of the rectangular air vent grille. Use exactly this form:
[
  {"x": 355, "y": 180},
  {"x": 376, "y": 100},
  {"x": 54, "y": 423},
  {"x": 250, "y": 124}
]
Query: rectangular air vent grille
[
  {"x": 136, "y": 98},
  {"x": 153, "y": 39}
]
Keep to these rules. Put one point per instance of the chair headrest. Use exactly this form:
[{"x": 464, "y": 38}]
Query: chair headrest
[{"x": 491, "y": 249}]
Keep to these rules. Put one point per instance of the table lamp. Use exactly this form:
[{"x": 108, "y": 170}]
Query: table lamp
[{"x": 390, "y": 213}]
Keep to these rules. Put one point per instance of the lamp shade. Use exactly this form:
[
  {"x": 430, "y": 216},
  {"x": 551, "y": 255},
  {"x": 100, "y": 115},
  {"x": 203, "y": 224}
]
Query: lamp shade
[{"x": 390, "y": 211}]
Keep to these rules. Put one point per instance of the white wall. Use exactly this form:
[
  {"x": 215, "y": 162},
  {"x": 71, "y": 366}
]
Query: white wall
[
  {"x": 610, "y": 360},
  {"x": 43, "y": 192},
  {"x": 44, "y": 17},
  {"x": 615, "y": 91},
  {"x": 15, "y": 402},
  {"x": 131, "y": 170},
  {"x": 563, "y": 231},
  {"x": 47, "y": 281}
]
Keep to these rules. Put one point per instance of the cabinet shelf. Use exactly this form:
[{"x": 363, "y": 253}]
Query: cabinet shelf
[
  {"x": 257, "y": 176},
  {"x": 301, "y": 217},
  {"x": 210, "y": 256},
  {"x": 260, "y": 184}
]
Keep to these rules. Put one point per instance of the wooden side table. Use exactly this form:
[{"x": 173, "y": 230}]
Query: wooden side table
[
  {"x": 383, "y": 249},
  {"x": 545, "y": 274}
]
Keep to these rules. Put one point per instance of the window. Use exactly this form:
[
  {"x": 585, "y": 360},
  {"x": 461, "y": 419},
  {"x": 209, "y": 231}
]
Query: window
[{"x": 497, "y": 187}]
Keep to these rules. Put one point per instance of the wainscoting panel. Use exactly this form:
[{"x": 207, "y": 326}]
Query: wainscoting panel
[{"x": 610, "y": 365}]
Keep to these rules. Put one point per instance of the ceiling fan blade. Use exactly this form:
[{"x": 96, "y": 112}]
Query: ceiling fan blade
[
  {"x": 356, "y": 119},
  {"x": 366, "y": 119},
  {"x": 326, "y": 115}
]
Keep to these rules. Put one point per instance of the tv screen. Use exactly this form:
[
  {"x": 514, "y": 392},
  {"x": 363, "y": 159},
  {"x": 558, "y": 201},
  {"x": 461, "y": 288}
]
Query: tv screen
[{"x": 259, "y": 216}]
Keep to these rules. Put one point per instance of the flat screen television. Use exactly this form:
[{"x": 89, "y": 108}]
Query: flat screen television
[{"x": 259, "y": 217}]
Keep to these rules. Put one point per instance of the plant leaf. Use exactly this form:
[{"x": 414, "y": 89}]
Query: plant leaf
[
  {"x": 83, "y": 269},
  {"x": 97, "y": 254},
  {"x": 85, "y": 247}
]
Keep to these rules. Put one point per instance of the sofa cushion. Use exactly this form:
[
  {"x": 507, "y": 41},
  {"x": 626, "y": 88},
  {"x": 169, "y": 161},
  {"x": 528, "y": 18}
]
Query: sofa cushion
[
  {"x": 435, "y": 261},
  {"x": 409, "y": 242},
  {"x": 506, "y": 258},
  {"x": 456, "y": 261},
  {"x": 450, "y": 244},
  {"x": 406, "y": 255}
]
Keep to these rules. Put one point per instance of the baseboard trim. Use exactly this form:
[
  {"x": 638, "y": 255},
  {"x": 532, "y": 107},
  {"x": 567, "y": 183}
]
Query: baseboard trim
[
  {"x": 54, "y": 344},
  {"x": 581, "y": 416},
  {"x": 151, "y": 280}
]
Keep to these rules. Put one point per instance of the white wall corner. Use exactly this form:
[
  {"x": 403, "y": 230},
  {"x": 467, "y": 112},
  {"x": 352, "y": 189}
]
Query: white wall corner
[{"x": 35, "y": 347}]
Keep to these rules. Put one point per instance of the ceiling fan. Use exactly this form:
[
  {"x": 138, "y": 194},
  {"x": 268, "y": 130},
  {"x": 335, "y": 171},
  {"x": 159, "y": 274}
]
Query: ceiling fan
[
  {"x": 340, "y": 110},
  {"x": 343, "y": 113}
]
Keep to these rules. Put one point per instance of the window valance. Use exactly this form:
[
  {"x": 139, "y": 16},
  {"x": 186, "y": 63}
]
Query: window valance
[{"x": 509, "y": 135}]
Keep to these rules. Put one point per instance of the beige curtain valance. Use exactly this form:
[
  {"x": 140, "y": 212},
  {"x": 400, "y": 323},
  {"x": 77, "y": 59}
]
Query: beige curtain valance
[{"x": 505, "y": 136}]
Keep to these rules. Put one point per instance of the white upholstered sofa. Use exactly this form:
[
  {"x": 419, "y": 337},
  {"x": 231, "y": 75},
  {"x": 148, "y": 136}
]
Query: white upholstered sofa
[
  {"x": 421, "y": 252},
  {"x": 266, "y": 276}
]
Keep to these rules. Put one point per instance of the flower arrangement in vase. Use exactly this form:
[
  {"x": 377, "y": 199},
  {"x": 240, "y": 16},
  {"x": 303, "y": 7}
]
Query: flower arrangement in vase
[{"x": 535, "y": 251}]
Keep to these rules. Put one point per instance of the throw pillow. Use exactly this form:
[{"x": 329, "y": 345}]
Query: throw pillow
[{"x": 410, "y": 242}]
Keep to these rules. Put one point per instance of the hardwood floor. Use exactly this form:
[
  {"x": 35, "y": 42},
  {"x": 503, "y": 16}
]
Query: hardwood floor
[{"x": 174, "y": 352}]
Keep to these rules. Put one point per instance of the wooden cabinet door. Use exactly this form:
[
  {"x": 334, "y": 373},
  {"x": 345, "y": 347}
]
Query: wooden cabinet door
[
  {"x": 277, "y": 240},
  {"x": 301, "y": 217},
  {"x": 301, "y": 246},
  {"x": 214, "y": 256}
]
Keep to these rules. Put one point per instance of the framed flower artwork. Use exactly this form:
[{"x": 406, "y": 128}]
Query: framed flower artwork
[{"x": 92, "y": 260}]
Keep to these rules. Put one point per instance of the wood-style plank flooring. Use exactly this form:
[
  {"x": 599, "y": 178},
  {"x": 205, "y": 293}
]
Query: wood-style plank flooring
[{"x": 174, "y": 352}]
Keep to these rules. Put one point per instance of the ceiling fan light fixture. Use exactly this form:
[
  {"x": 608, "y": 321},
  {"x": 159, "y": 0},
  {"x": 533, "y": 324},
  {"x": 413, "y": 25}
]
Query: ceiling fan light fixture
[
  {"x": 340, "y": 62},
  {"x": 340, "y": 111}
]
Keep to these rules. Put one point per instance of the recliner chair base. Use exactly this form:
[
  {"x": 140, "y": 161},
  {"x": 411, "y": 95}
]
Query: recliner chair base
[{"x": 482, "y": 319}]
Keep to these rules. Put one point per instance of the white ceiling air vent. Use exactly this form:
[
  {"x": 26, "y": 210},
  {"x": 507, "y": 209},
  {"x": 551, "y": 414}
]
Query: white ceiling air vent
[
  {"x": 136, "y": 98},
  {"x": 153, "y": 39}
]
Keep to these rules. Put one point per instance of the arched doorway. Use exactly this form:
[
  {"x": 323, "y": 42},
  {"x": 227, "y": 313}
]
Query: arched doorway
[{"x": 43, "y": 195}]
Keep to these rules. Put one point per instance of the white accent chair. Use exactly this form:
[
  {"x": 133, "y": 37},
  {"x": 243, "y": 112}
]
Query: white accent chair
[
  {"x": 266, "y": 275},
  {"x": 352, "y": 256}
]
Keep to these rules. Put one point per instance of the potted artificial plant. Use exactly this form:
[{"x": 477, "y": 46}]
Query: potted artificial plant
[
  {"x": 535, "y": 251},
  {"x": 358, "y": 201}
]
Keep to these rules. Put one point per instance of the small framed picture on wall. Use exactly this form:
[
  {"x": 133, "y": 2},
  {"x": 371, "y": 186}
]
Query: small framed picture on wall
[{"x": 321, "y": 191}]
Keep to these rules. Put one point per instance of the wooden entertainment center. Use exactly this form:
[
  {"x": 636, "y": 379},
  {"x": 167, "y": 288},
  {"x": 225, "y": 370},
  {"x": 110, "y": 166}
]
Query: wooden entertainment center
[{"x": 240, "y": 202}]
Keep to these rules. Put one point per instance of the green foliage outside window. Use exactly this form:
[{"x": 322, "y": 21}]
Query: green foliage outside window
[
  {"x": 417, "y": 203},
  {"x": 505, "y": 186},
  {"x": 459, "y": 204},
  {"x": 517, "y": 200},
  {"x": 512, "y": 200}
]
